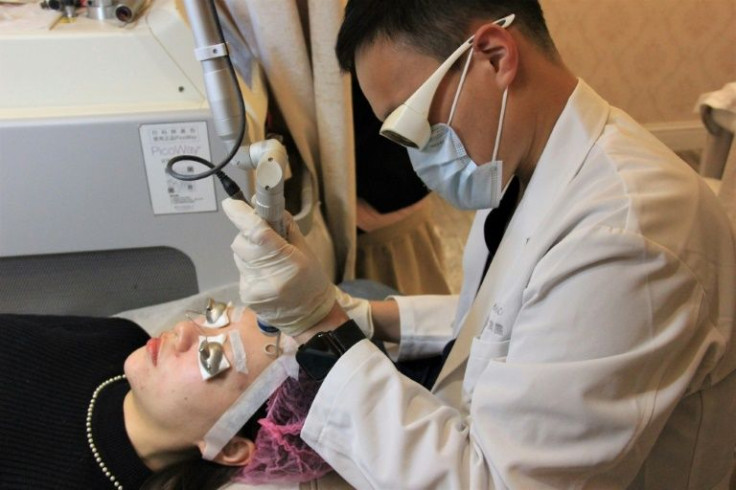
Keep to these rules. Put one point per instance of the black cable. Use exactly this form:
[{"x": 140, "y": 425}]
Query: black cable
[{"x": 228, "y": 184}]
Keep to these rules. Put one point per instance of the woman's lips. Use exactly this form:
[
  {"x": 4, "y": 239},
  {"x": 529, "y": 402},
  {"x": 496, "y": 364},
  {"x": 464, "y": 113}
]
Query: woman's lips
[{"x": 152, "y": 346}]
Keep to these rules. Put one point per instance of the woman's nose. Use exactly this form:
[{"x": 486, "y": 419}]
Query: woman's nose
[{"x": 185, "y": 336}]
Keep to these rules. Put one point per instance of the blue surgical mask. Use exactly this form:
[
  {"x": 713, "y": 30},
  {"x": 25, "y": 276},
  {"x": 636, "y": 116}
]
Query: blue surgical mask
[{"x": 446, "y": 168}]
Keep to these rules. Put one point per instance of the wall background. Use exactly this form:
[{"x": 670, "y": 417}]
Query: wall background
[{"x": 651, "y": 58}]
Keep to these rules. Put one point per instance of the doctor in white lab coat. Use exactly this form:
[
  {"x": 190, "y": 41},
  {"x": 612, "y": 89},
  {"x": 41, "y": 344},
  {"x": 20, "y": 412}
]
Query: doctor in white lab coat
[{"x": 596, "y": 352}]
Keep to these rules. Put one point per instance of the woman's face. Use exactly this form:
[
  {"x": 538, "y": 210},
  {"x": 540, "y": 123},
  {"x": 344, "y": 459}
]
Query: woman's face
[{"x": 167, "y": 389}]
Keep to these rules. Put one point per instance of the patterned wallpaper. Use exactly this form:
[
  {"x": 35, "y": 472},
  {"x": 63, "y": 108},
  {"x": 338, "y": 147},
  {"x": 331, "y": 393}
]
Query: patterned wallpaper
[{"x": 651, "y": 58}]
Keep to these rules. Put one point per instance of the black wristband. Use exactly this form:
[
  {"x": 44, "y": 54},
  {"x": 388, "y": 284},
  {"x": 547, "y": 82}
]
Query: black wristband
[{"x": 317, "y": 356}]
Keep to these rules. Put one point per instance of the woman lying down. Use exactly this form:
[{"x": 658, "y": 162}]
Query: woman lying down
[{"x": 209, "y": 401}]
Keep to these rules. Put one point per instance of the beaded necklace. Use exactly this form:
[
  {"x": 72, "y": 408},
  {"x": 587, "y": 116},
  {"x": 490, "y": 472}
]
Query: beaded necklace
[{"x": 90, "y": 439}]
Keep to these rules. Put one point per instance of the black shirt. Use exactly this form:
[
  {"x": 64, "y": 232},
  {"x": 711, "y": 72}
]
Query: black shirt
[
  {"x": 384, "y": 175},
  {"x": 50, "y": 366}
]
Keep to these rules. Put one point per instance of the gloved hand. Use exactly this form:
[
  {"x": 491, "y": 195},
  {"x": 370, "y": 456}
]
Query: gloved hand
[
  {"x": 281, "y": 281},
  {"x": 359, "y": 310}
]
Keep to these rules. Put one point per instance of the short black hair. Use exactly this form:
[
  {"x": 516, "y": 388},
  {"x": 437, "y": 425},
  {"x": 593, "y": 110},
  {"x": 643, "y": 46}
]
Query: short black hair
[{"x": 432, "y": 27}]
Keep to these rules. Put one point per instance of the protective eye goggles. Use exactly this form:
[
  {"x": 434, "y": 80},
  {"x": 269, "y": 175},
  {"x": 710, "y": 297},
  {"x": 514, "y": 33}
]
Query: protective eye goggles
[
  {"x": 408, "y": 124},
  {"x": 212, "y": 359}
]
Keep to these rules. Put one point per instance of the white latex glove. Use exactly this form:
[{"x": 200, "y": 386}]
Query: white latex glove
[
  {"x": 281, "y": 281},
  {"x": 359, "y": 310}
]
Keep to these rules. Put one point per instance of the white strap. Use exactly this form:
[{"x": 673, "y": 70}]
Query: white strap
[
  {"x": 211, "y": 52},
  {"x": 250, "y": 400},
  {"x": 500, "y": 124}
]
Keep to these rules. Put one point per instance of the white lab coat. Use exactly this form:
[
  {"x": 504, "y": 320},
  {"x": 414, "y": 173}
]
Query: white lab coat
[{"x": 602, "y": 356}]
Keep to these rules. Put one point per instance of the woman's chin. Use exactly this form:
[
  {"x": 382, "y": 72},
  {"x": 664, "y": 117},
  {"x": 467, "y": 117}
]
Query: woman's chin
[{"x": 132, "y": 364}]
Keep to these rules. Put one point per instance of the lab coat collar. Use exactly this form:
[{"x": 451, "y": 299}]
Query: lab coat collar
[{"x": 577, "y": 129}]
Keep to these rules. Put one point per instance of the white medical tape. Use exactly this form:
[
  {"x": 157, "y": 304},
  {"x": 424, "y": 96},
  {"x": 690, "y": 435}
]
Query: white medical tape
[
  {"x": 240, "y": 361},
  {"x": 250, "y": 401},
  {"x": 237, "y": 313}
]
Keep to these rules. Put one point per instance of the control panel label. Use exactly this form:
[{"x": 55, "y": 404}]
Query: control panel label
[{"x": 160, "y": 143}]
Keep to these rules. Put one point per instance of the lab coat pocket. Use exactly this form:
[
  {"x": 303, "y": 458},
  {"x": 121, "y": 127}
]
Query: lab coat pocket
[{"x": 482, "y": 352}]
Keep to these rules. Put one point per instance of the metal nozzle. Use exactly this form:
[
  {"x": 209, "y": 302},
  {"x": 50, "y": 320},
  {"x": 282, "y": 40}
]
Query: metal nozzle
[{"x": 127, "y": 10}]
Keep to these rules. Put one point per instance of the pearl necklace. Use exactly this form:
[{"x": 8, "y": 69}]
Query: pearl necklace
[{"x": 90, "y": 439}]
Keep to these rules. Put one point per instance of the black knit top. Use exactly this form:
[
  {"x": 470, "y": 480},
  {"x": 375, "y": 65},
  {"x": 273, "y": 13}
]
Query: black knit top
[{"x": 50, "y": 366}]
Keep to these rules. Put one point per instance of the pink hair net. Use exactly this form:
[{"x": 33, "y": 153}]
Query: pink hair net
[{"x": 281, "y": 456}]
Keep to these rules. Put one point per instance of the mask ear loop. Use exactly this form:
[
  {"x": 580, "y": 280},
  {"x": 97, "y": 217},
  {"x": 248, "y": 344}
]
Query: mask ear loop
[
  {"x": 459, "y": 87},
  {"x": 500, "y": 124}
]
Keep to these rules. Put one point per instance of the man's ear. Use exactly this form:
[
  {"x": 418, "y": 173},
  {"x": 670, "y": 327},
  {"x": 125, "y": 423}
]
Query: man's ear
[
  {"x": 500, "y": 50},
  {"x": 237, "y": 452}
]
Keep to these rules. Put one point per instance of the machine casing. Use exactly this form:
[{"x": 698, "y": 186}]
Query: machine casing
[{"x": 73, "y": 177}]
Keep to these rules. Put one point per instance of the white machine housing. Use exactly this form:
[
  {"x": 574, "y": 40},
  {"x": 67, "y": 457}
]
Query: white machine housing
[{"x": 73, "y": 172}]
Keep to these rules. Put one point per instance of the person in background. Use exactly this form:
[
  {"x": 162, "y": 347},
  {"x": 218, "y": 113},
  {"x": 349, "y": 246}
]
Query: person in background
[{"x": 398, "y": 243}]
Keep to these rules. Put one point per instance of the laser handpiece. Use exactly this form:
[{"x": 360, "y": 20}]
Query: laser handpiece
[{"x": 268, "y": 158}]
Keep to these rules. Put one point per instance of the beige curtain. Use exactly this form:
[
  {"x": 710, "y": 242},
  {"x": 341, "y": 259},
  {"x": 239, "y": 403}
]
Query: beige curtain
[{"x": 292, "y": 42}]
